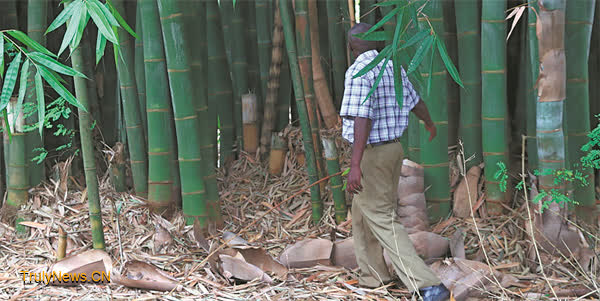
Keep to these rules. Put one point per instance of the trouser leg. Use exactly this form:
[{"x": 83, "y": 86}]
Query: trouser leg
[
  {"x": 377, "y": 202},
  {"x": 368, "y": 251}
]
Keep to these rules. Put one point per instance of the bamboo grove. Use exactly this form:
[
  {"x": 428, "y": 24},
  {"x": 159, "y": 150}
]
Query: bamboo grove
[{"x": 177, "y": 89}]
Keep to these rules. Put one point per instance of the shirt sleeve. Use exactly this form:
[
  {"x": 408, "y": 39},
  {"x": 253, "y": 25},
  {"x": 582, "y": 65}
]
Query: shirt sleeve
[
  {"x": 355, "y": 92},
  {"x": 411, "y": 98}
]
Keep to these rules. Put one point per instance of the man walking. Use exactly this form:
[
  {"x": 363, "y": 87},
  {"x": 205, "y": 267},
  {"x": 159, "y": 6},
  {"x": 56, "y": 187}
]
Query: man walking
[{"x": 374, "y": 128}]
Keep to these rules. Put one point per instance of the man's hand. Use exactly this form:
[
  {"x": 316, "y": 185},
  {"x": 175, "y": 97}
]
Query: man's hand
[
  {"x": 354, "y": 186},
  {"x": 431, "y": 129}
]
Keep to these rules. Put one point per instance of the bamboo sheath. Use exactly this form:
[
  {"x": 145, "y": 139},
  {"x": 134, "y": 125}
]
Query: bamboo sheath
[
  {"x": 311, "y": 164},
  {"x": 187, "y": 124},
  {"x": 277, "y": 153},
  {"x": 250, "y": 120}
]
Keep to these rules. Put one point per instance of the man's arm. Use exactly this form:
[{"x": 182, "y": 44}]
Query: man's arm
[
  {"x": 420, "y": 109},
  {"x": 362, "y": 129}
]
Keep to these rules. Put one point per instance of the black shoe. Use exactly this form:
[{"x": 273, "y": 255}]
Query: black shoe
[{"x": 435, "y": 293}]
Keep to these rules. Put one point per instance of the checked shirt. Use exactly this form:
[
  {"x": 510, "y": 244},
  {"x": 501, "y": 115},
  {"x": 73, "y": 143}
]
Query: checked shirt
[{"x": 388, "y": 119}]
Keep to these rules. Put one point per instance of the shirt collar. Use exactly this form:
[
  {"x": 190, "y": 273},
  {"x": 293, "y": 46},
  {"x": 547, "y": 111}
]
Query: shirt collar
[{"x": 367, "y": 55}]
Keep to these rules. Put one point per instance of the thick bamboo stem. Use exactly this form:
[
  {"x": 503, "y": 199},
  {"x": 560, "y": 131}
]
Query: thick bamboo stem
[
  {"x": 338, "y": 49},
  {"x": 162, "y": 160},
  {"x": 140, "y": 80},
  {"x": 311, "y": 164},
  {"x": 263, "y": 36},
  {"x": 187, "y": 124},
  {"x": 324, "y": 100},
  {"x": 270, "y": 107},
  {"x": 136, "y": 141},
  {"x": 336, "y": 184},
  {"x": 533, "y": 68},
  {"x": 494, "y": 106},
  {"x": 17, "y": 182}
]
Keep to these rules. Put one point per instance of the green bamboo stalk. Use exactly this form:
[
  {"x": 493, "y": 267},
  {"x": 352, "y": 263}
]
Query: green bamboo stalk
[
  {"x": 82, "y": 92},
  {"x": 414, "y": 143},
  {"x": 324, "y": 42},
  {"x": 36, "y": 25},
  {"x": 136, "y": 141},
  {"x": 9, "y": 14},
  {"x": 140, "y": 81},
  {"x": 533, "y": 67},
  {"x": 196, "y": 24},
  {"x": 493, "y": 99},
  {"x": 434, "y": 154},
  {"x": 367, "y": 11},
  {"x": 285, "y": 94},
  {"x": 17, "y": 182},
  {"x": 450, "y": 39},
  {"x": 333, "y": 167},
  {"x": 311, "y": 164},
  {"x": 338, "y": 49},
  {"x": 594, "y": 70},
  {"x": 305, "y": 63},
  {"x": 110, "y": 102},
  {"x": 187, "y": 124},
  {"x": 469, "y": 42},
  {"x": 220, "y": 91},
  {"x": 239, "y": 57},
  {"x": 263, "y": 36},
  {"x": 161, "y": 148},
  {"x": 579, "y": 17},
  {"x": 551, "y": 91},
  {"x": 254, "y": 82}
]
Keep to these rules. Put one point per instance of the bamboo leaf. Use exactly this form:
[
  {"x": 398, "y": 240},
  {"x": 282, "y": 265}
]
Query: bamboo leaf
[
  {"x": 54, "y": 65},
  {"x": 63, "y": 16},
  {"x": 518, "y": 12},
  {"x": 107, "y": 13},
  {"x": 39, "y": 92},
  {"x": 420, "y": 54},
  {"x": 71, "y": 26},
  {"x": 9, "y": 81},
  {"x": 1, "y": 55},
  {"x": 374, "y": 62},
  {"x": 389, "y": 3},
  {"x": 58, "y": 87},
  {"x": 376, "y": 36},
  {"x": 122, "y": 21},
  {"x": 22, "y": 88},
  {"x": 83, "y": 21},
  {"x": 100, "y": 47},
  {"x": 29, "y": 42},
  {"x": 416, "y": 38},
  {"x": 448, "y": 62},
  {"x": 101, "y": 22},
  {"x": 387, "y": 59},
  {"x": 383, "y": 20}
]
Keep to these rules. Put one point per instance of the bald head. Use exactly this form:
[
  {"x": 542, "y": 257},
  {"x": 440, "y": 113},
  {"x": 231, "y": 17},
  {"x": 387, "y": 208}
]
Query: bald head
[{"x": 357, "y": 45}]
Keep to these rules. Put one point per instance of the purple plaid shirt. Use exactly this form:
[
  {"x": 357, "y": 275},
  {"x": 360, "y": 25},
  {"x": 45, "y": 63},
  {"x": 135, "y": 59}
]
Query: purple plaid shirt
[{"x": 389, "y": 119}]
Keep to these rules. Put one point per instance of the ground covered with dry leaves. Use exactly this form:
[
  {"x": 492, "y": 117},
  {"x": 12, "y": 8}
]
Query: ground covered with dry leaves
[{"x": 247, "y": 192}]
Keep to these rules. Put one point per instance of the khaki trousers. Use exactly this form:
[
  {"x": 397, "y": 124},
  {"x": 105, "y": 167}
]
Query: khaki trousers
[{"x": 374, "y": 225}]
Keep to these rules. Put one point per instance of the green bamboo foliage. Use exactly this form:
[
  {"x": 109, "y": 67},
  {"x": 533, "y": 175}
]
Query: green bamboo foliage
[
  {"x": 161, "y": 147},
  {"x": 336, "y": 183},
  {"x": 82, "y": 93},
  {"x": 551, "y": 91},
  {"x": 239, "y": 64},
  {"x": 196, "y": 25},
  {"x": 136, "y": 141},
  {"x": 187, "y": 124},
  {"x": 311, "y": 164},
  {"x": 493, "y": 106},
  {"x": 579, "y": 19},
  {"x": 338, "y": 48},
  {"x": 533, "y": 68},
  {"x": 434, "y": 154},
  {"x": 140, "y": 81},
  {"x": 263, "y": 36},
  {"x": 469, "y": 51},
  {"x": 36, "y": 25}
]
